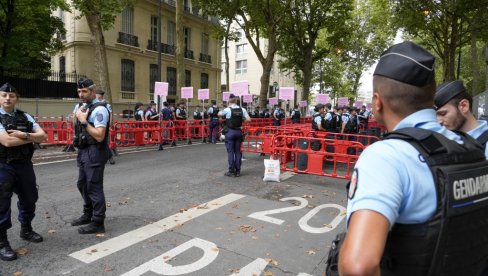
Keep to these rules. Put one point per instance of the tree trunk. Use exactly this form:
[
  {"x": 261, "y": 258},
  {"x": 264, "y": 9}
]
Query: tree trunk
[
  {"x": 8, "y": 29},
  {"x": 180, "y": 48},
  {"x": 307, "y": 68},
  {"x": 263, "y": 93},
  {"x": 101, "y": 64}
]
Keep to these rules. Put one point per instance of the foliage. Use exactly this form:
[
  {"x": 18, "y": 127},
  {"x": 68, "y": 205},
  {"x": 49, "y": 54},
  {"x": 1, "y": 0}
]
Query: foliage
[
  {"x": 300, "y": 30},
  {"x": 105, "y": 10},
  {"x": 28, "y": 29}
]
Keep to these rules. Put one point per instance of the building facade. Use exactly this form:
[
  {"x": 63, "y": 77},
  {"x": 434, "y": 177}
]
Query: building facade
[
  {"x": 132, "y": 51},
  {"x": 244, "y": 65}
]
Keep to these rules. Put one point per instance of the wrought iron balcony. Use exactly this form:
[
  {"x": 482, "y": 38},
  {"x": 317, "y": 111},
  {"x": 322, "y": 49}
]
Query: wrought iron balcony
[
  {"x": 189, "y": 54},
  {"x": 128, "y": 39},
  {"x": 205, "y": 58},
  {"x": 168, "y": 49}
]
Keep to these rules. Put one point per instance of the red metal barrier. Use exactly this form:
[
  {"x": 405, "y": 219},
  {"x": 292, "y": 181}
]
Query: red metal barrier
[
  {"x": 318, "y": 156},
  {"x": 259, "y": 139},
  {"x": 58, "y": 132}
]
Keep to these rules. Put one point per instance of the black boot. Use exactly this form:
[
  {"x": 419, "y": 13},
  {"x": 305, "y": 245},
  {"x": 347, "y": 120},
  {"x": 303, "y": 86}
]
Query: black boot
[
  {"x": 26, "y": 233},
  {"x": 92, "y": 228},
  {"x": 84, "y": 219},
  {"x": 6, "y": 252}
]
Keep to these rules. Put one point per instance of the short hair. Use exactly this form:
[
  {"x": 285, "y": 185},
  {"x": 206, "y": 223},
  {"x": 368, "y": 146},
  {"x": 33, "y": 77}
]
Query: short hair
[
  {"x": 213, "y": 101},
  {"x": 165, "y": 104},
  {"x": 404, "y": 98},
  {"x": 462, "y": 96}
]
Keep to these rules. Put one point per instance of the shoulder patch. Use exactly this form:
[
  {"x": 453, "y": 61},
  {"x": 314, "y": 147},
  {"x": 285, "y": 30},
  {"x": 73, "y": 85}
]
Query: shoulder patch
[
  {"x": 99, "y": 117},
  {"x": 353, "y": 186}
]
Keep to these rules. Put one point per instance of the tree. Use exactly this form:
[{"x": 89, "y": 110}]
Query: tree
[
  {"x": 100, "y": 15},
  {"x": 28, "y": 29},
  {"x": 442, "y": 26},
  {"x": 372, "y": 32},
  {"x": 300, "y": 29}
]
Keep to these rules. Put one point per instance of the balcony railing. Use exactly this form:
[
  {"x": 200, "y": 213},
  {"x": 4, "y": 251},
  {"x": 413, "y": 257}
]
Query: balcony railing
[
  {"x": 189, "y": 54},
  {"x": 205, "y": 58},
  {"x": 186, "y": 9},
  {"x": 128, "y": 39},
  {"x": 168, "y": 49}
]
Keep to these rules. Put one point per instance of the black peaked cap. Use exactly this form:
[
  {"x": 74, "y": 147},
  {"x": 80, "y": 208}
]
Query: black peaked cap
[
  {"x": 447, "y": 91},
  {"x": 7, "y": 87},
  {"x": 84, "y": 83},
  {"x": 407, "y": 62}
]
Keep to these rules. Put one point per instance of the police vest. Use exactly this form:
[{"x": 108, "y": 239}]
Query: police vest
[
  {"x": 82, "y": 138},
  {"x": 454, "y": 240},
  {"x": 236, "y": 118},
  {"x": 339, "y": 122},
  {"x": 483, "y": 138},
  {"x": 182, "y": 114},
  {"x": 296, "y": 115},
  {"x": 152, "y": 114},
  {"x": 314, "y": 124},
  {"x": 197, "y": 115},
  {"x": 17, "y": 122},
  {"x": 215, "y": 114},
  {"x": 166, "y": 114},
  {"x": 352, "y": 125},
  {"x": 137, "y": 116},
  {"x": 331, "y": 125}
]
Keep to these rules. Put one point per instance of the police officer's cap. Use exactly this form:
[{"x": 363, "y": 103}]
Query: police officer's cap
[
  {"x": 85, "y": 83},
  {"x": 100, "y": 91},
  {"x": 407, "y": 62},
  {"x": 7, "y": 87},
  {"x": 448, "y": 91}
]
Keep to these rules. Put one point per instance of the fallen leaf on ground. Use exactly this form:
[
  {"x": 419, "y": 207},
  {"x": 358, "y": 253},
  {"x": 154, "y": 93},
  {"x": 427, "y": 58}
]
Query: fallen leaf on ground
[
  {"x": 215, "y": 249},
  {"x": 219, "y": 228},
  {"x": 108, "y": 269},
  {"x": 307, "y": 196},
  {"x": 254, "y": 237},
  {"x": 94, "y": 250},
  {"x": 267, "y": 273},
  {"x": 328, "y": 225},
  {"x": 311, "y": 252},
  {"x": 18, "y": 273},
  {"x": 51, "y": 231},
  {"x": 247, "y": 228},
  {"x": 100, "y": 235},
  {"x": 166, "y": 257},
  {"x": 22, "y": 251}
]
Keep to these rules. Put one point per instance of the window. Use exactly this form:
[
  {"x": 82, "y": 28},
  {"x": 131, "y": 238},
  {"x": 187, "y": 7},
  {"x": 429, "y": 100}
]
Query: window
[
  {"x": 128, "y": 75},
  {"x": 171, "y": 73},
  {"x": 128, "y": 20},
  {"x": 239, "y": 35},
  {"x": 154, "y": 30},
  {"x": 61, "y": 34},
  {"x": 171, "y": 33},
  {"x": 241, "y": 67},
  {"x": 153, "y": 77},
  {"x": 241, "y": 51},
  {"x": 62, "y": 68},
  {"x": 187, "y": 37},
  {"x": 204, "y": 43},
  {"x": 187, "y": 78},
  {"x": 204, "y": 81}
]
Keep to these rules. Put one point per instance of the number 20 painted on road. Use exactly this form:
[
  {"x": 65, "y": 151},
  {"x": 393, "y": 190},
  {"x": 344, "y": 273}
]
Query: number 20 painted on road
[{"x": 303, "y": 222}]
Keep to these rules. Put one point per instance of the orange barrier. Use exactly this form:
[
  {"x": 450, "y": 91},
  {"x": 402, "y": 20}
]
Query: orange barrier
[{"x": 317, "y": 156}]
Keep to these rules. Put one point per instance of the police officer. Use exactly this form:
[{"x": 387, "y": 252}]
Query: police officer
[
  {"x": 91, "y": 134},
  {"x": 234, "y": 117},
  {"x": 152, "y": 114},
  {"x": 167, "y": 113},
  {"x": 351, "y": 125},
  {"x": 295, "y": 115},
  {"x": 454, "y": 110},
  {"x": 181, "y": 112},
  {"x": 363, "y": 115},
  {"x": 317, "y": 118},
  {"x": 138, "y": 112},
  {"x": 18, "y": 132},
  {"x": 393, "y": 213},
  {"x": 213, "y": 113},
  {"x": 277, "y": 116}
]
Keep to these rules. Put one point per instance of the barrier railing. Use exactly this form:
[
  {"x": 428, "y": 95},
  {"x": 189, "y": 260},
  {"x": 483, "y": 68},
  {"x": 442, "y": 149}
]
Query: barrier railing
[
  {"x": 259, "y": 139},
  {"x": 317, "y": 156}
]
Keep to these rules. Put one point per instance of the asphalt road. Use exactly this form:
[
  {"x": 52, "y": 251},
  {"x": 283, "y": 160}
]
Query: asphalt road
[{"x": 173, "y": 212}]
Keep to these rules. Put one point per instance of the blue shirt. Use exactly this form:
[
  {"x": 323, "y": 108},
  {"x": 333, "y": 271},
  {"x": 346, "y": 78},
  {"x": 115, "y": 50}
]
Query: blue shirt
[
  {"x": 226, "y": 113},
  {"x": 99, "y": 116},
  {"x": 476, "y": 132},
  {"x": 328, "y": 116},
  {"x": 317, "y": 118},
  {"x": 167, "y": 113},
  {"x": 35, "y": 125},
  {"x": 345, "y": 117},
  {"x": 391, "y": 179}
]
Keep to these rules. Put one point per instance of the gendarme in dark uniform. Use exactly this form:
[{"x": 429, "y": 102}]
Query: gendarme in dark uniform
[
  {"x": 234, "y": 117},
  {"x": 90, "y": 139},
  {"x": 18, "y": 131}
]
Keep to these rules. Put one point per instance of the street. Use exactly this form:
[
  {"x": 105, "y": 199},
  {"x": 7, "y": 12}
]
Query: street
[{"x": 173, "y": 212}]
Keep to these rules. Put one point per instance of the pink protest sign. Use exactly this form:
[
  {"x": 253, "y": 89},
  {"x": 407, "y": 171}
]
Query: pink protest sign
[
  {"x": 247, "y": 98},
  {"x": 161, "y": 88},
  {"x": 323, "y": 98},
  {"x": 287, "y": 93},
  {"x": 343, "y": 101},
  {"x": 225, "y": 96},
  {"x": 273, "y": 101},
  {"x": 239, "y": 88},
  {"x": 358, "y": 104},
  {"x": 187, "y": 92},
  {"x": 203, "y": 94},
  {"x": 302, "y": 104}
]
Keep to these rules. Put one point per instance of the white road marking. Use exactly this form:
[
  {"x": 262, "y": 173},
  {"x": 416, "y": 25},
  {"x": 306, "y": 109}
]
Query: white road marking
[
  {"x": 254, "y": 268},
  {"x": 123, "y": 241}
]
